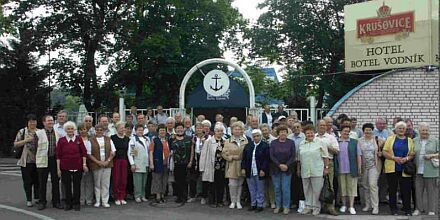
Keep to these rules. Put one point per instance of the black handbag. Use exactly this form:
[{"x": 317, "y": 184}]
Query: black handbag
[
  {"x": 409, "y": 168},
  {"x": 327, "y": 195}
]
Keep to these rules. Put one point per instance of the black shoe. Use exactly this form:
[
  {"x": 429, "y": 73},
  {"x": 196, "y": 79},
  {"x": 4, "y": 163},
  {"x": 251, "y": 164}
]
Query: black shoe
[
  {"x": 158, "y": 200},
  {"x": 259, "y": 209},
  {"x": 77, "y": 207},
  {"x": 67, "y": 207},
  {"x": 162, "y": 200},
  {"x": 41, "y": 206},
  {"x": 58, "y": 206},
  {"x": 252, "y": 208},
  {"x": 178, "y": 200},
  {"x": 213, "y": 205},
  {"x": 408, "y": 214},
  {"x": 394, "y": 212}
]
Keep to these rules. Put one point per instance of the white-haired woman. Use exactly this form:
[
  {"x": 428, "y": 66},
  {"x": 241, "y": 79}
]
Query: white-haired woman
[
  {"x": 398, "y": 150},
  {"x": 255, "y": 166},
  {"x": 232, "y": 153},
  {"x": 207, "y": 128},
  {"x": 232, "y": 120},
  {"x": 212, "y": 167},
  {"x": 71, "y": 162},
  {"x": 426, "y": 148}
]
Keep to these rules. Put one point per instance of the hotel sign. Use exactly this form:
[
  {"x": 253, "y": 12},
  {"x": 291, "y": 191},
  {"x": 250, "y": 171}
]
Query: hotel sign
[{"x": 391, "y": 34}]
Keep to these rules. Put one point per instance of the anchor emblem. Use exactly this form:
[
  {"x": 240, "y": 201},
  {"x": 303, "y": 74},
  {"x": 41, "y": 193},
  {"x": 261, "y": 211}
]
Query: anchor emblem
[{"x": 216, "y": 78}]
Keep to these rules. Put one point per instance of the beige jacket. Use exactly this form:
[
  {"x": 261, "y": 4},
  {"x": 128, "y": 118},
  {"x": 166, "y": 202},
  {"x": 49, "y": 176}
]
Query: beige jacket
[{"x": 232, "y": 148}]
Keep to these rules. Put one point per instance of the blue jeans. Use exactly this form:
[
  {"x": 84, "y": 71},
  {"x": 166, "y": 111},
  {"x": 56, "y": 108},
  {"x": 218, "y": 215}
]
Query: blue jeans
[
  {"x": 281, "y": 184},
  {"x": 256, "y": 189}
]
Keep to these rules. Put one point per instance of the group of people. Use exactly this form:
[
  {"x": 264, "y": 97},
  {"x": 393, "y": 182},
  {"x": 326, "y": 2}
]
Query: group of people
[{"x": 272, "y": 160}]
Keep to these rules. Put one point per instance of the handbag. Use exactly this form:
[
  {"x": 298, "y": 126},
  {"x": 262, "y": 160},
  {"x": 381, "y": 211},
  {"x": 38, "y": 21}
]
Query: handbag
[
  {"x": 409, "y": 168},
  {"x": 18, "y": 151},
  {"x": 435, "y": 162},
  {"x": 327, "y": 195}
]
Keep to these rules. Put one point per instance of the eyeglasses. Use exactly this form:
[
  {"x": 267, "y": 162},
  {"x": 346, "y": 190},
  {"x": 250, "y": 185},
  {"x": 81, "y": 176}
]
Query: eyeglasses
[{"x": 87, "y": 121}]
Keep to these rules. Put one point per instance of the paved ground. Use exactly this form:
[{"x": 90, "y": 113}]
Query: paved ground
[{"x": 12, "y": 206}]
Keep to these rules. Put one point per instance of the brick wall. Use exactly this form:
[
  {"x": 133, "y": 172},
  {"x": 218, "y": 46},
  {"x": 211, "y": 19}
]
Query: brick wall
[{"x": 408, "y": 94}]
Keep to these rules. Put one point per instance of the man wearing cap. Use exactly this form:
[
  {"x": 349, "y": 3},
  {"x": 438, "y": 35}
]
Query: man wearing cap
[{"x": 255, "y": 166}]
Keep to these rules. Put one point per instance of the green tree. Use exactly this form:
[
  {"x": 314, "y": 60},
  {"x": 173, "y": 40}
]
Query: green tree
[
  {"x": 22, "y": 87},
  {"x": 307, "y": 36},
  {"x": 162, "y": 39},
  {"x": 82, "y": 31}
]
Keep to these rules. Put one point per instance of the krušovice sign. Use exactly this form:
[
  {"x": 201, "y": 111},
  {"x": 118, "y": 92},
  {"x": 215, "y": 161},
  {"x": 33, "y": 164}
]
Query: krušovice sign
[{"x": 391, "y": 34}]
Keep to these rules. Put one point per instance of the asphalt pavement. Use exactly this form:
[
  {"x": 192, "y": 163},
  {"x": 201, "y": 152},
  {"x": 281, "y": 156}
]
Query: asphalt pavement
[{"x": 12, "y": 206}]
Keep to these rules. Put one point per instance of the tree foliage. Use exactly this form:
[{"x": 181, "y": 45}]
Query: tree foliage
[
  {"x": 162, "y": 39},
  {"x": 22, "y": 86},
  {"x": 307, "y": 36}
]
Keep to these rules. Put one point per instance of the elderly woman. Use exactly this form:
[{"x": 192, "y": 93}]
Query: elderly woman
[
  {"x": 426, "y": 148},
  {"x": 398, "y": 150},
  {"x": 26, "y": 139},
  {"x": 71, "y": 162},
  {"x": 313, "y": 164},
  {"x": 207, "y": 128},
  {"x": 348, "y": 164},
  {"x": 87, "y": 178},
  {"x": 160, "y": 152},
  {"x": 232, "y": 153},
  {"x": 103, "y": 151},
  {"x": 138, "y": 157},
  {"x": 371, "y": 167},
  {"x": 120, "y": 166},
  {"x": 232, "y": 120},
  {"x": 255, "y": 165},
  {"x": 212, "y": 167},
  {"x": 282, "y": 155}
]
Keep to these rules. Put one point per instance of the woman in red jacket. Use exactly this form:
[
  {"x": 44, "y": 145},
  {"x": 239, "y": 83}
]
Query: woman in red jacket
[{"x": 71, "y": 162}]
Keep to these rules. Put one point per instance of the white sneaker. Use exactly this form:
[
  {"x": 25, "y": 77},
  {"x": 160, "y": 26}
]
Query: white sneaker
[
  {"x": 29, "y": 204},
  {"x": 138, "y": 200},
  {"x": 343, "y": 209},
  {"x": 144, "y": 199},
  {"x": 203, "y": 201},
  {"x": 352, "y": 211},
  {"x": 106, "y": 205},
  {"x": 191, "y": 200},
  {"x": 273, "y": 206},
  {"x": 117, "y": 202},
  {"x": 123, "y": 202},
  {"x": 416, "y": 212},
  {"x": 239, "y": 205},
  {"x": 97, "y": 205},
  {"x": 232, "y": 206},
  {"x": 431, "y": 213},
  {"x": 366, "y": 209},
  {"x": 375, "y": 211}
]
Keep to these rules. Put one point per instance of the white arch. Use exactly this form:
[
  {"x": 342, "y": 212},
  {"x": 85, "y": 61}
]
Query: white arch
[{"x": 211, "y": 61}]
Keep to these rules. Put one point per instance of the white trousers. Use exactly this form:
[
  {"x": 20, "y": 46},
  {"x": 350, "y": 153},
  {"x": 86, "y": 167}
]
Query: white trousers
[{"x": 102, "y": 184}]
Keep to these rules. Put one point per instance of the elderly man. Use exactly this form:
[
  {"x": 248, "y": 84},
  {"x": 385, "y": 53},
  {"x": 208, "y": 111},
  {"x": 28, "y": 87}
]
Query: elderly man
[
  {"x": 88, "y": 122},
  {"x": 381, "y": 129},
  {"x": 170, "y": 122},
  {"x": 333, "y": 148},
  {"x": 253, "y": 124},
  {"x": 103, "y": 120},
  {"x": 115, "y": 119},
  {"x": 61, "y": 119},
  {"x": 267, "y": 116},
  {"x": 280, "y": 112},
  {"x": 161, "y": 116},
  {"x": 178, "y": 117},
  {"x": 329, "y": 126}
]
